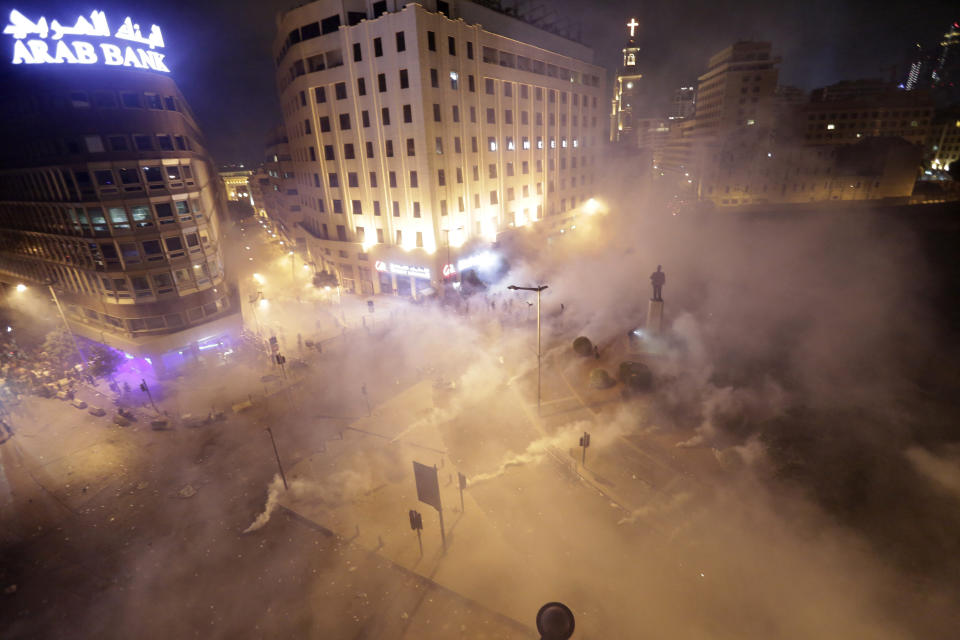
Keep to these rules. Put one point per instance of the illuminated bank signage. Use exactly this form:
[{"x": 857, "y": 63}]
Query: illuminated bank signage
[
  {"x": 482, "y": 261},
  {"x": 402, "y": 269},
  {"x": 86, "y": 41}
]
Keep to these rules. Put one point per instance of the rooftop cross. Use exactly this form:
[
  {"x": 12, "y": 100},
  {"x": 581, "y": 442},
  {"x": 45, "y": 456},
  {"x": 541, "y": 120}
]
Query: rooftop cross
[{"x": 633, "y": 24}]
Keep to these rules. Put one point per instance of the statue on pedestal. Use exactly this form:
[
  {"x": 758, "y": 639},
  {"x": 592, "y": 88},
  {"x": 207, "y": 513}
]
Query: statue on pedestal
[{"x": 658, "y": 278}]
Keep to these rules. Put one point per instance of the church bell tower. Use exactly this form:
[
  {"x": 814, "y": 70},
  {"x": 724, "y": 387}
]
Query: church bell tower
[{"x": 626, "y": 89}]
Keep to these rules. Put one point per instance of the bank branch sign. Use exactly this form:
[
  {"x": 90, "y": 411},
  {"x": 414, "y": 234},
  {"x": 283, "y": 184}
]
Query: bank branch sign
[{"x": 86, "y": 41}]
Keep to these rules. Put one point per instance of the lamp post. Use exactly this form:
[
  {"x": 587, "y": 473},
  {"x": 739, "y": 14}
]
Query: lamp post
[
  {"x": 293, "y": 275},
  {"x": 253, "y": 309},
  {"x": 538, "y": 289},
  {"x": 56, "y": 301}
]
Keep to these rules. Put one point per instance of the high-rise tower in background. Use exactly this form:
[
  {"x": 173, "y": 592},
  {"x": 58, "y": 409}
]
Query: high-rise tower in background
[
  {"x": 937, "y": 68},
  {"x": 737, "y": 89},
  {"x": 626, "y": 90},
  {"x": 416, "y": 134},
  {"x": 107, "y": 191},
  {"x": 684, "y": 103}
]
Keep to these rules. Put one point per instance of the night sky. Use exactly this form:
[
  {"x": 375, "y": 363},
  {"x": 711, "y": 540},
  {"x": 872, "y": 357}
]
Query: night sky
[{"x": 219, "y": 50}]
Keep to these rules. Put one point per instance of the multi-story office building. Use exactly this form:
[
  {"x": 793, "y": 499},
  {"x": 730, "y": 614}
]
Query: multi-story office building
[
  {"x": 737, "y": 89},
  {"x": 748, "y": 170},
  {"x": 944, "y": 140},
  {"x": 107, "y": 191},
  {"x": 274, "y": 189},
  {"x": 849, "y": 111},
  {"x": 626, "y": 91},
  {"x": 416, "y": 133},
  {"x": 684, "y": 103}
]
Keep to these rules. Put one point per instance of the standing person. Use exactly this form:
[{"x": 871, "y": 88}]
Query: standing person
[{"x": 658, "y": 278}]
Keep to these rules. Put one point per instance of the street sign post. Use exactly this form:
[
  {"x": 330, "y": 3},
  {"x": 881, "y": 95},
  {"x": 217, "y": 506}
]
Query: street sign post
[
  {"x": 584, "y": 442},
  {"x": 428, "y": 491},
  {"x": 463, "y": 485}
]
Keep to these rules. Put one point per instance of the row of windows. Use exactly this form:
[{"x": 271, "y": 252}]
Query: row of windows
[
  {"x": 895, "y": 113},
  {"x": 160, "y": 283},
  {"x": 99, "y": 221},
  {"x": 356, "y": 206},
  {"x": 510, "y": 144},
  {"x": 30, "y": 104},
  {"x": 45, "y": 149},
  {"x": 507, "y": 87},
  {"x": 63, "y": 184},
  {"x": 353, "y": 178},
  {"x": 344, "y": 120},
  {"x": 120, "y": 287},
  {"x": 322, "y": 231},
  {"x": 155, "y": 323},
  {"x": 107, "y": 256},
  {"x": 523, "y": 63},
  {"x": 95, "y": 143}
]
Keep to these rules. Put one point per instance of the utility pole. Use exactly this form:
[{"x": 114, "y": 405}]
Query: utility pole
[
  {"x": 539, "y": 353},
  {"x": 293, "y": 272},
  {"x": 277, "y": 454},
  {"x": 463, "y": 485}
]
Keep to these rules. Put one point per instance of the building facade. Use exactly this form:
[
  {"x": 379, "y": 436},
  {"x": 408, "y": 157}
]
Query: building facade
[
  {"x": 737, "y": 89},
  {"x": 416, "y": 133},
  {"x": 745, "y": 170},
  {"x": 849, "y": 111},
  {"x": 274, "y": 190},
  {"x": 108, "y": 194},
  {"x": 684, "y": 103},
  {"x": 944, "y": 141},
  {"x": 236, "y": 182}
]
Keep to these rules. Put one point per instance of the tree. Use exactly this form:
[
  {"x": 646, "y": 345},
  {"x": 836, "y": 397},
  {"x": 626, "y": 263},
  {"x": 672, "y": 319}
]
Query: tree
[
  {"x": 103, "y": 360},
  {"x": 59, "y": 349},
  {"x": 583, "y": 347}
]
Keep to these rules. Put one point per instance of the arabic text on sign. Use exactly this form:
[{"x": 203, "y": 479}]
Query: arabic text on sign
[{"x": 49, "y": 46}]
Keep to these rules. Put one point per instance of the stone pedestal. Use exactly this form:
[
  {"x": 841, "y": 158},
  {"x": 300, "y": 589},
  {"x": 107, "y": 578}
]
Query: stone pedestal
[{"x": 654, "y": 317}]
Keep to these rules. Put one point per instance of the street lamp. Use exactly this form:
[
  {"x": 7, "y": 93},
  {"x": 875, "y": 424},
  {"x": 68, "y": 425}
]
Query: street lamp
[
  {"x": 514, "y": 287},
  {"x": 253, "y": 308}
]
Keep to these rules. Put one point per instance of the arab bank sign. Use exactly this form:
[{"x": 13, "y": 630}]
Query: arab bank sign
[{"x": 86, "y": 41}]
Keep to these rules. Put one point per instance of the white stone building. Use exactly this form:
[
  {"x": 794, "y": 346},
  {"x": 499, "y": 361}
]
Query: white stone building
[{"x": 418, "y": 132}]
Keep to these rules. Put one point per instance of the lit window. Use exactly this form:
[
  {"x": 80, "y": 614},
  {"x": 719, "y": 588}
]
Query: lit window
[
  {"x": 831, "y": 127},
  {"x": 492, "y": 144}
]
